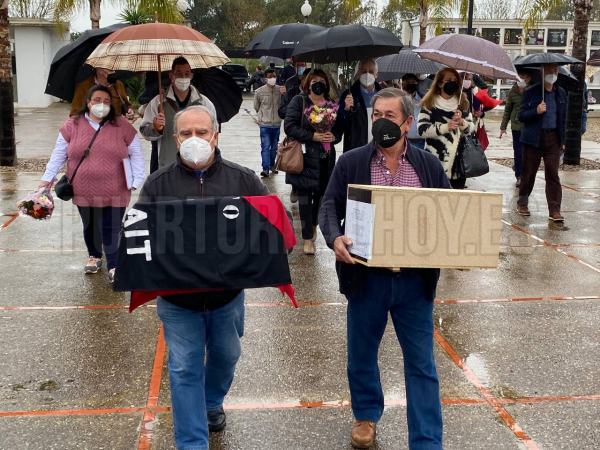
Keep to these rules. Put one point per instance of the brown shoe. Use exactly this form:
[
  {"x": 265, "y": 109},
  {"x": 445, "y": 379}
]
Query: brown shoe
[
  {"x": 363, "y": 434},
  {"x": 523, "y": 210},
  {"x": 556, "y": 217}
]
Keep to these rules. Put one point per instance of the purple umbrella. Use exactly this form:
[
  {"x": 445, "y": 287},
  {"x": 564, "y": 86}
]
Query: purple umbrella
[{"x": 469, "y": 53}]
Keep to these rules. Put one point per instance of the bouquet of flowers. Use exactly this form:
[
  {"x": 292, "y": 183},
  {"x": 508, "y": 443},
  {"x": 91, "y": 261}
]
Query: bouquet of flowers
[
  {"x": 38, "y": 205},
  {"x": 322, "y": 119}
]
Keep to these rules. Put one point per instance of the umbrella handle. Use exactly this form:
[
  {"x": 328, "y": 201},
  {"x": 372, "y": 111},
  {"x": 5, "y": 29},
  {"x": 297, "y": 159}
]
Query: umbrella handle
[{"x": 160, "y": 90}]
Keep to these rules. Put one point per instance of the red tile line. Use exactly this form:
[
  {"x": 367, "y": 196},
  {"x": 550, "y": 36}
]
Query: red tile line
[
  {"x": 551, "y": 245},
  {"x": 149, "y": 419},
  {"x": 449, "y": 401},
  {"x": 9, "y": 221},
  {"x": 485, "y": 392}
]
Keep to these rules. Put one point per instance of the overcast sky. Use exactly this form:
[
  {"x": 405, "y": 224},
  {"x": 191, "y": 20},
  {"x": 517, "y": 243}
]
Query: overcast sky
[{"x": 108, "y": 16}]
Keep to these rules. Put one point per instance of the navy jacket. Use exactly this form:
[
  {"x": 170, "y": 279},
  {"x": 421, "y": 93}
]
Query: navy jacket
[
  {"x": 355, "y": 168},
  {"x": 532, "y": 121}
]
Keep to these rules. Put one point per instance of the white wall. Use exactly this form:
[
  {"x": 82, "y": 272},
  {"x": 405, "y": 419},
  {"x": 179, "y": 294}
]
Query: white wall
[{"x": 35, "y": 46}]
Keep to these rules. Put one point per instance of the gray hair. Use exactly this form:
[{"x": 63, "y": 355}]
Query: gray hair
[
  {"x": 361, "y": 63},
  {"x": 198, "y": 108},
  {"x": 407, "y": 105}
]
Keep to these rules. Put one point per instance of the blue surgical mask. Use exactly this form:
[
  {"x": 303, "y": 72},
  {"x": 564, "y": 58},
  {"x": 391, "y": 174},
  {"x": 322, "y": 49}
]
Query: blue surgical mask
[{"x": 301, "y": 71}]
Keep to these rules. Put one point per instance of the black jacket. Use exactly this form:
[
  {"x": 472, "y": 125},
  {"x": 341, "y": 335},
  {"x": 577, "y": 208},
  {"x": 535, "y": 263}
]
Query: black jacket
[
  {"x": 178, "y": 182},
  {"x": 532, "y": 121},
  {"x": 355, "y": 168},
  {"x": 297, "y": 127},
  {"x": 356, "y": 122},
  {"x": 292, "y": 88}
]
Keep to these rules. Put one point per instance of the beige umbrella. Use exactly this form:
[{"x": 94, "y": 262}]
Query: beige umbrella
[{"x": 152, "y": 46}]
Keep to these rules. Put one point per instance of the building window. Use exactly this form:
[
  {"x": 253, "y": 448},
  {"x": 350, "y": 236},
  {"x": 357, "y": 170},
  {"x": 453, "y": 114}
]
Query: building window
[
  {"x": 535, "y": 37},
  {"x": 557, "y": 38},
  {"x": 596, "y": 38},
  {"x": 448, "y": 30},
  {"x": 513, "y": 36},
  {"x": 491, "y": 34}
]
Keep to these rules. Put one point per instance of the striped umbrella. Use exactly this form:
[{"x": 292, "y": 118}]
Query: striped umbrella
[
  {"x": 470, "y": 54},
  {"x": 152, "y": 46}
]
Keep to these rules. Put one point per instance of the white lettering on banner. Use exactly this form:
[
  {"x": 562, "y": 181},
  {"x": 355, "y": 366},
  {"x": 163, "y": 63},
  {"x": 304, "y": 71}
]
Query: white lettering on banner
[
  {"x": 145, "y": 250},
  {"x": 134, "y": 216}
]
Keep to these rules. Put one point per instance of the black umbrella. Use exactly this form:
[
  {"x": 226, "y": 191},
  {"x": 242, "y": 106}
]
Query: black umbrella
[
  {"x": 344, "y": 43},
  {"x": 392, "y": 67},
  {"x": 220, "y": 88},
  {"x": 540, "y": 59},
  {"x": 68, "y": 68},
  {"x": 279, "y": 40}
]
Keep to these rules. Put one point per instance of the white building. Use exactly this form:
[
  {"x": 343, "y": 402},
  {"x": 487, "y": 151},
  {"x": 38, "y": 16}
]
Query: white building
[
  {"x": 548, "y": 36},
  {"x": 34, "y": 42}
]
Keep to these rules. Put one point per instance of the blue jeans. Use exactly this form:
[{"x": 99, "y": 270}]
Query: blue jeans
[
  {"x": 518, "y": 153},
  {"x": 204, "y": 347},
  {"x": 409, "y": 301},
  {"x": 269, "y": 138}
]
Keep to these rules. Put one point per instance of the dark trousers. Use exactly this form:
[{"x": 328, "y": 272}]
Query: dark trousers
[
  {"x": 308, "y": 205},
  {"x": 154, "y": 157},
  {"x": 549, "y": 150},
  {"x": 408, "y": 299},
  {"x": 101, "y": 227},
  {"x": 518, "y": 153}
]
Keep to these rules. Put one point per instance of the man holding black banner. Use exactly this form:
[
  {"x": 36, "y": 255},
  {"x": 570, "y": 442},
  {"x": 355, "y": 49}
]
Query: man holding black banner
[
  {"x": 373, "y": 293},
  {"x": 202, "y": 330}
]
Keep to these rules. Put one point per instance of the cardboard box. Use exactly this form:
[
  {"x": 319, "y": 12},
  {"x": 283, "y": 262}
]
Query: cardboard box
[{"x": 430, "y": 228}]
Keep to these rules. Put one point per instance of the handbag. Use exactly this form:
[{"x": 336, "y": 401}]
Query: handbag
[
  {"x": 474, "y": 161},
  {"x": 290, "y": 158},
  {"x": 482, "y": 136},
  {"x": 64, "y": 186}
]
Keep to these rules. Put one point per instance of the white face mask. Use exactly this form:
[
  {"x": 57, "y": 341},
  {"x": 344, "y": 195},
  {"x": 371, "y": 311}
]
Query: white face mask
[
  {"x": 367, "y": 79},
  {"x": 182, "y": 84},
  {"x": 100, "y": 110},
  {"x": 467, "y": 84},
  {"x": 422, "y": 76},
  {"x": 271, "y": 81},
  {"x": 551, "y": 78},
  {"x": 521, "y": 83},
  {"x": 196, "y": 150}
]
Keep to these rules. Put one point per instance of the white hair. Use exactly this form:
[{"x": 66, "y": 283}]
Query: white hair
[
  {"x": 361, "y": 63},
  {"x": 198, "y": 108}
]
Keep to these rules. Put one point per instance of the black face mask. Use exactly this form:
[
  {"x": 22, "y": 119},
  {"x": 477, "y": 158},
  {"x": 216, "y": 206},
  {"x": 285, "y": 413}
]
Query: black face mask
[
  {"x": 386, "y": 133},
  {"x": 450, "y": 88},
  {"x": 411, "y": 88},
  {"x": 318, "y": 88}
]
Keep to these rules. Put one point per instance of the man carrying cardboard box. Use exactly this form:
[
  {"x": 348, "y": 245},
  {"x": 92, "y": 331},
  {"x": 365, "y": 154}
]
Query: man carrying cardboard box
[{"x": 372, "y": 293}]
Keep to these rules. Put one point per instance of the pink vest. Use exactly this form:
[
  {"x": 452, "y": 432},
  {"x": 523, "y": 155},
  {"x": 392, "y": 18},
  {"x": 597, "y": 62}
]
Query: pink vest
[{"x": 100, "y": 181}]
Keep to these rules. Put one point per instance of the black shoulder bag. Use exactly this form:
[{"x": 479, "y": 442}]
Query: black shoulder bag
[{"x": 64, "y": 186}]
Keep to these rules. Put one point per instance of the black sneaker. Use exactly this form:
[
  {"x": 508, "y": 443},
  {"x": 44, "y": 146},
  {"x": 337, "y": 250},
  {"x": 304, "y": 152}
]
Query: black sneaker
[
  {"x": 216, "y": 420},
  {"x": 264, "y": 174},
  {"x": 274, "y": 171}
]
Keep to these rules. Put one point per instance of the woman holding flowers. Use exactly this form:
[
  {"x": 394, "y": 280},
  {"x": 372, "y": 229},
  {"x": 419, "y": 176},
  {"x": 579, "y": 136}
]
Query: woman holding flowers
[
  {"x": 100, "y": 186},
  {"x": 311, "y": 119}
]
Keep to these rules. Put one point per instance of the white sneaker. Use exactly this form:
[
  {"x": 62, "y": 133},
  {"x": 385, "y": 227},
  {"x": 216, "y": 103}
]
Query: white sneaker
[
  {"x": 111, "y": 275},
  {"x": 93, "y": 265}
]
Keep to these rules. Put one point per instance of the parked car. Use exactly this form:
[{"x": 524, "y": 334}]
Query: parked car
[{"x": 239, "y": 74}]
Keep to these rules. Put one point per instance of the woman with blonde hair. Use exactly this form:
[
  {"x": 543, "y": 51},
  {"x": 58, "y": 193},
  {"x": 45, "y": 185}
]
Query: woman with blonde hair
[{"x": 444, "y": 120}]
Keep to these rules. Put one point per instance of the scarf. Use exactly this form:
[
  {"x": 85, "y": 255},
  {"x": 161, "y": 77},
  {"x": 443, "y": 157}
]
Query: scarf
[{"x": 450, "y": 104}]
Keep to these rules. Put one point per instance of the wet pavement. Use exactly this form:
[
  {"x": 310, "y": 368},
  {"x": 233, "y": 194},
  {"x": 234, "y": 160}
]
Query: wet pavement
[{"x": 517, "y": 347}]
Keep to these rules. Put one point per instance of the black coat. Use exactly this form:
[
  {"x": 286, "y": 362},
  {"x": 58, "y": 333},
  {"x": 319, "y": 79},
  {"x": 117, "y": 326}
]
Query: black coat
[
  {"x": 356, "y": 122},
  {"x": 297, "y": 127}
]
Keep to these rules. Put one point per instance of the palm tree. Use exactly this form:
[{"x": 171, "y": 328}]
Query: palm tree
[
  {"x": 8, "y": 155},
  {"x": 534, "y": 11},
  {"x": 162, "y": 10}
]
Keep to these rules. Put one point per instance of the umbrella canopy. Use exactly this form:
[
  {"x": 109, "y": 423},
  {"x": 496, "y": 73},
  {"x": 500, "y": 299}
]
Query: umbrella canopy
[
  {"x": 345, "y": 43},
  {"x": 221, "y": 89},
  {"x": 279, "y": 40},
  {"x": 151, "y": 46},
  {"x": 469, "y": 53},
  {"x": 392, "y": 67},
  {"x": 540, "y": 59},
  {"x": 566, "y": 79},
  {"x": 68, "y": 66},
  {"x": 266, "y": 60}
]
